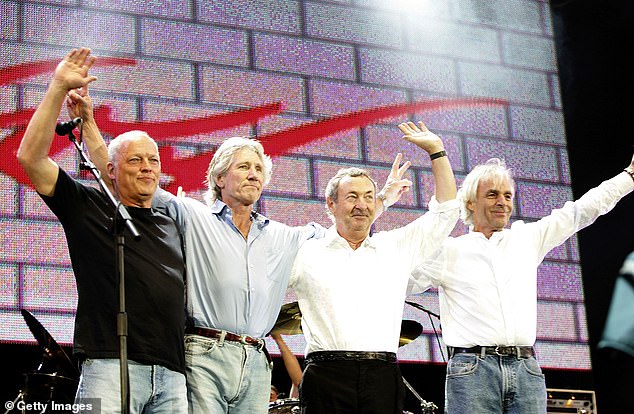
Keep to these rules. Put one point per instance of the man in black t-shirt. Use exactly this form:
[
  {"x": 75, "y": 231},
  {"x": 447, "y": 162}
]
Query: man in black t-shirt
[{"x": 154, "y": 265}]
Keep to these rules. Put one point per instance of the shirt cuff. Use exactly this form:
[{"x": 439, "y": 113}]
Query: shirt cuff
[
  {"x": 624, "y": 182},
  {"x": 448, "y": 205}
]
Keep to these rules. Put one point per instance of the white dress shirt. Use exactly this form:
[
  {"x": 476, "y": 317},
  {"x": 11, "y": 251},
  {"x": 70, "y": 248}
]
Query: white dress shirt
[
  {"x": 353, "y": 300},
  {"x": 488, "y": 287}
]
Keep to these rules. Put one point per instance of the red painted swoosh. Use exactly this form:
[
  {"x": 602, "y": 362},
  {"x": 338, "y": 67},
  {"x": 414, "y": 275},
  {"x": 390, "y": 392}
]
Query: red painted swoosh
[{"x": 279, "y": 143}]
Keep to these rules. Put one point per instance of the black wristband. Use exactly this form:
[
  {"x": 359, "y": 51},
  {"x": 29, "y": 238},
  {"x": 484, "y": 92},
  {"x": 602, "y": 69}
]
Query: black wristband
[
  {"x": 630, "y": 172},
  {"x": 438, "y": 154}
]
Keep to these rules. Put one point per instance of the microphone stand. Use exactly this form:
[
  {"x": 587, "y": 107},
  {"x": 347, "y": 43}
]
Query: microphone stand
[
  {"x": 122, "y": 318},
  {"x": 420, "y": 307},
  {"x": 430, "y": 314},
  {"x": 426, "y": 407}
]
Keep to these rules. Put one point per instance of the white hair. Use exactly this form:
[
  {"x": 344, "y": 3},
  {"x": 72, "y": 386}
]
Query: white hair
[
  {"x": 494, "y": 169},
  {"x": 114, "y": 148}
]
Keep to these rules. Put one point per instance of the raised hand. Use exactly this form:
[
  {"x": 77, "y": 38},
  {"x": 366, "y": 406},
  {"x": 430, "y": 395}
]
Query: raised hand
[
  {"x": 72, "y": 71},
  {"x": 395, "y": 185},
  {"x": 421, "y": 136}
]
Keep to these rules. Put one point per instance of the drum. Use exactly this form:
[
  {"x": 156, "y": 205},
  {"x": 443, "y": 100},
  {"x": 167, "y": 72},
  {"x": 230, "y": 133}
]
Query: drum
[{"x": 284, "y": 406}]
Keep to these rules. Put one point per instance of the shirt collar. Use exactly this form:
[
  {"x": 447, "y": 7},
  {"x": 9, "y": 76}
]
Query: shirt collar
[
  {"x": 496, "y": 236},
  {"x": 219, "y": 208},
  {"x": 333, "y": 239}
]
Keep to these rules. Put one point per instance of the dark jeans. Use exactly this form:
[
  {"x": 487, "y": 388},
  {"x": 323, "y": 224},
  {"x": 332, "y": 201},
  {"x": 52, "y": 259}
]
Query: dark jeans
[{"x": 352, "y": 387}]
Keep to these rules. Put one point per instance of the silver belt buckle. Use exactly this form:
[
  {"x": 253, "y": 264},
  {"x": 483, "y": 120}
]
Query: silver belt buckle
[{"x": 497, "y": 351}]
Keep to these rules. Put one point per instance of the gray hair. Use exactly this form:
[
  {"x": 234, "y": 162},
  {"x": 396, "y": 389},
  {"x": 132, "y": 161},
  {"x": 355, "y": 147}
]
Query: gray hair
[
  {"x": 115, "y": 146},
  {"x": 494, "y": 169},
  {"x": 222, "y": 159},
  {"x": 332, "y": 188}
]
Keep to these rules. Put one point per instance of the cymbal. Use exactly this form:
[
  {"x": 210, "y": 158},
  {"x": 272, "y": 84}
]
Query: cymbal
[
  {"x": 410, "y": 330},
  {"x": 53, "y": 353},
  {"x": 289, "y": 320}
]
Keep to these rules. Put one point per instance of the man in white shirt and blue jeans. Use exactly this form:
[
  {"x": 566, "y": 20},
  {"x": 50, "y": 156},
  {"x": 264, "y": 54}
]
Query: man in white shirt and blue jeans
[{"x": 487, "y": 285}]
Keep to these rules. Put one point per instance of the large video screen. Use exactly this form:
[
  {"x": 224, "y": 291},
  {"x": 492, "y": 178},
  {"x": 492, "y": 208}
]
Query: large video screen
[{"x": 323, "y": 85}]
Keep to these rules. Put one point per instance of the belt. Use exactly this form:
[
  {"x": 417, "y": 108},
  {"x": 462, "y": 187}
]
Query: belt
[
  {"x": 516, "y": 351},
  {"x": 349, "y": 356},
  {"x": 225, "y": 335}
]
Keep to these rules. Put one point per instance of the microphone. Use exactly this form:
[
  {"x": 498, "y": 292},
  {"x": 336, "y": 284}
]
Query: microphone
[{"x": 64, "y": 128}]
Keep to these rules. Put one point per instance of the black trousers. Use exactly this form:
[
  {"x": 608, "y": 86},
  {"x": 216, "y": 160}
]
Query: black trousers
[{"x": 352, "y": 387}]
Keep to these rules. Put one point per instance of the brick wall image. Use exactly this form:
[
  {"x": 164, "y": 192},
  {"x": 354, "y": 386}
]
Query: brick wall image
[{"x": 323, "y": 85}]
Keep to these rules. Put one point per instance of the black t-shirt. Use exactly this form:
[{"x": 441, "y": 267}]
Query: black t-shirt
[{"x": 154, "y": 273}]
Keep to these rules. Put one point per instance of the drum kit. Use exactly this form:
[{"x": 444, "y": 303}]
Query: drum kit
[
  {"x": 289, "y": 323},
  {"x": 54, "y": 380}
]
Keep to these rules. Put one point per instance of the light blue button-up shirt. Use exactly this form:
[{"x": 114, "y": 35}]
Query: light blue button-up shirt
[{"x": 235, "y": 284}]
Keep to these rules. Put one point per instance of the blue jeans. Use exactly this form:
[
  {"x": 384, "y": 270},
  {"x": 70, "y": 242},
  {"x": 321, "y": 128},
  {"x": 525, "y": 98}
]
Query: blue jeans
[
  {"x": 226, "y": 377},
  {"x": 494, "y": 384},
  {"x": 153, "y": 388}
]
